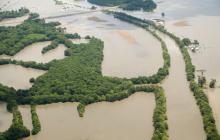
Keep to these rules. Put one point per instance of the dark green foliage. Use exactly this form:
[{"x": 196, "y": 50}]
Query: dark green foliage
[
  {"x": 11, "y": 104},
  {"x": 79, "y": 74},
  {"x": 87, "y": 37},
  {"x": 146, "y": 5},
  {"x": 35, "y": 121},
  {"x": 81, "y": 109},
  {"x": 54, "y": 44},
  {"x": 14, "y": 39},
  {"x": 13, "y": 14},
  {"x": 33, "y": 16},
  {"x": 212, "y": 83},
  {"x": 30, "y": 64},
  {"x": 32, "y": 80},
  {"x": 17, "y": 130},
  {"x": 73, "y": 36},
  {"x": 186, "y": 41}
]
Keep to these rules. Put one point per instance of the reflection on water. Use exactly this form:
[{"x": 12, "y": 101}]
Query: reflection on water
[
  {"x": 6, "y": 117},
  {"x": 128, "y": 119},
  {"x": 17, "y": 76}
]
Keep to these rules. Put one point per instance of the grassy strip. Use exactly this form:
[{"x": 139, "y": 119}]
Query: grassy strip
[
  {"x": 200, "y": 96},
  {"x": 35, "y": 121}
]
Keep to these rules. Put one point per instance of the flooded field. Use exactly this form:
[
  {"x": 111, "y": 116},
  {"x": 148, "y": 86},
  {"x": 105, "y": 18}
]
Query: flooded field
[
  {"x": 128, "y": 119},
  {"x": 17, "y": 76}
]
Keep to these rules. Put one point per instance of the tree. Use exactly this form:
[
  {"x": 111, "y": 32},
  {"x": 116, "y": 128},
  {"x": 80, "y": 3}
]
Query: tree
[{"x": 212, "y": 83}]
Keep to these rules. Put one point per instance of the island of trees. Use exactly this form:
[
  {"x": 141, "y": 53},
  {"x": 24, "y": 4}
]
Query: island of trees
[
  {"x": 146, "y": 5},
  {"x": 76, "y": 78}
]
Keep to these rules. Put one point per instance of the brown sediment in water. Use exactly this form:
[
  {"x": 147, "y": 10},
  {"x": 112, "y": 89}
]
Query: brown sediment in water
[
  {"x": 127, "y": 36},
  {"x": 96, "y": 19},
  {"x": 181, "y": 23},
  {"x": 129, "y": 119}
]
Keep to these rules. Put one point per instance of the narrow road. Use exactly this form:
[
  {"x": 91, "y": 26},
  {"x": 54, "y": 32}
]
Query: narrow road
[{"x": 184, "y": 118}]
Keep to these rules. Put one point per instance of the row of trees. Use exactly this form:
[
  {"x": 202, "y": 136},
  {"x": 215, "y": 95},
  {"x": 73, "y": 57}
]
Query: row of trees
[
  {"x": 28, "y": 64},
  {"x": 13, "y": 14},
  {"x": 147, "y": 5},
  {"x": 35, "y": 121}
]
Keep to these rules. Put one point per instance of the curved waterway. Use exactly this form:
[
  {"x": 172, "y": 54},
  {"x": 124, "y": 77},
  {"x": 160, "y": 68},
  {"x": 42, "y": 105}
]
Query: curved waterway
[
  {"x": 184, "y": 118},
  {"x": 17, "y": 76},
  {"x": 128, "y": 119}
]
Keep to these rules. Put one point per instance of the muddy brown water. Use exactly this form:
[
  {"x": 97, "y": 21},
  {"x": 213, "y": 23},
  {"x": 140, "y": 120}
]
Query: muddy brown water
[
  {"x": 128, "y": 119},
  {"x": 207, "y": 31},
  {"x": 184, "y": 118},
  {"x": 17, "y": 76}
]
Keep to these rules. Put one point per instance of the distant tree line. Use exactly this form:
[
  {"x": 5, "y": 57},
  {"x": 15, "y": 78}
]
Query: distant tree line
[{"x": 146, "y": 5}]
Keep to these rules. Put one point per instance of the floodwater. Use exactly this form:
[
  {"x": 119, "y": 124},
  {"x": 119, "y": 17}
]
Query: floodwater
[
  {"x": 13, "y": 21},
  {"x": 129, "y": 51},
  {"x": 18, "y": 76},
  {"x": 6, "y": 117},
  {"x": 206, "y": 30},
  {"x": 33, "y": 53},
  {"x": 128, "y": 119},
  {"x": 184, "y": 118}
]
